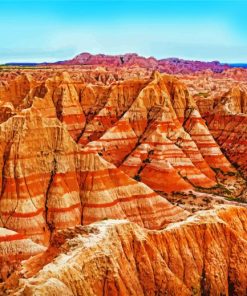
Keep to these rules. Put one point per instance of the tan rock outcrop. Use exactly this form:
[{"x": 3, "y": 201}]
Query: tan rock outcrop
[
  {"x": 204, "y": 255},
  {"x": 15, "y": 247}
]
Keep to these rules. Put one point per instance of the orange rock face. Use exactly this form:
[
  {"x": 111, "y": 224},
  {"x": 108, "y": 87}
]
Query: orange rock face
[
  {"x": 204, "y": 255},
  {"x": 85, "y": 144},
  {"x": 162, "y": 134},
  {"x": 222, "y": 103},
  {"x": 55, "y": 185},
  {"x": 15, "y": 247}
]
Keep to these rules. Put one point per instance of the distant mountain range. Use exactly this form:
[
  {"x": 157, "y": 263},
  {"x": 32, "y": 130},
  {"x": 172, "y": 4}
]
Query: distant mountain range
[
  {"x": 22, "y": 64},
  {"x": 169, "y": 65}
]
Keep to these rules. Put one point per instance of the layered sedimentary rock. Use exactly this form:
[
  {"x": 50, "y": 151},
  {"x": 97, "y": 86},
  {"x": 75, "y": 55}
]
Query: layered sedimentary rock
[
  {"x": 230, "y": 131},
  {"x": 35, "y": 150},
  {"x": 15, "y": 89},
  {"x": 117, "y": 141},
  {"x": 107, "y": 192},
  {"x": 205, "y": 142},
  {"x": 204, "y": 255},
  {"x": 114, "y": 102},
  {"x": 227, "y": 124},
  {"x": 66, "y": 101},
  {"x": 15, "y": 247},
  {"x": 55, "y": 185},
  {"x": 162, "y": 134},
  {"x": 62, "y": 102}
]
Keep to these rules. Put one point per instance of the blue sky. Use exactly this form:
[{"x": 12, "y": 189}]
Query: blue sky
[{"x": 59, "y": 29}]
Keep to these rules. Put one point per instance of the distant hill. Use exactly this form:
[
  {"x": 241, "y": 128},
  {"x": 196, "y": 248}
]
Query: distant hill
[
  {"x": 22, "y": 64},
  {"x": 168, "y": 65}
]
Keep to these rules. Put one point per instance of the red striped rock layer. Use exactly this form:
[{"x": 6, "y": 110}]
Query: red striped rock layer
[
  {"x": 204, "y": 255},
  {"x": 205, "y": 142},
  {"x": 107, "y": 192},
  {"x": 15, "y": 247},
  {"x": 230, "y": 131},
  {"x": 227, "y": 124},
  {"x": 75, "y": 103},
  {"x": 36, "y": 155},
  {"x": 61, "y": 102},
  {"x": 114, "y": 100},
  {"x": 59, "y": 92},
  {"x": 174, "y": 139},
  {"x": 47, "y": 183}
]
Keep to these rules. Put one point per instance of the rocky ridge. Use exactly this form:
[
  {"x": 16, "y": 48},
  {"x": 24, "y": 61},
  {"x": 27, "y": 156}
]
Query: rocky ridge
[
  {"x": 203, "y": 255},
  {"x": 169, "y": 65}
]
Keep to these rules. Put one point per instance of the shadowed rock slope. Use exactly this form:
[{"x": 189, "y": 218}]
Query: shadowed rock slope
[{"x": 228, "y": 125}]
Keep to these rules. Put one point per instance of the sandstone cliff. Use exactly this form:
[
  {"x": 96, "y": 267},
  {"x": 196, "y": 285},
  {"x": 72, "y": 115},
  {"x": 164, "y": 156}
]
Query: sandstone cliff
[{"x": 204, "y": 255}]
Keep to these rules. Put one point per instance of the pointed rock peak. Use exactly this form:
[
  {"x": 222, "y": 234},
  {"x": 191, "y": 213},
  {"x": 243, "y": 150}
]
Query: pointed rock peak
[
  {"x": 192, "y": 113},
  {"x": 156, "y": 75},
  {"x": 24, "y": 77},
  {"x": 60, "y": 77},
  {"x": 65, "y": 76}
]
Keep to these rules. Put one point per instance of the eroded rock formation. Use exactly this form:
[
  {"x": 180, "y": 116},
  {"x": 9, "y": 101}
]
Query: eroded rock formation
[
  {"x": 204, "y": 255},
  {"x": 55, "y": 185},
  {"x": 114, "y": 139}
]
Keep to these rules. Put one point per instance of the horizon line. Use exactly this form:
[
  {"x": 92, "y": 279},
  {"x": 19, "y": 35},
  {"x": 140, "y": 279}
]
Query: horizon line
[{"x": 120, "y": 54}]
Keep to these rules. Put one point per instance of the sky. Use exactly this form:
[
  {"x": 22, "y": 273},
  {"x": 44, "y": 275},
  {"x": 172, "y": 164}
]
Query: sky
[{"x": 38, "y": 31}]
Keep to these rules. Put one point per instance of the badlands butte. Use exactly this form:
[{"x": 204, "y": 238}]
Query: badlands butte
[{"x": 123, "y": 175}]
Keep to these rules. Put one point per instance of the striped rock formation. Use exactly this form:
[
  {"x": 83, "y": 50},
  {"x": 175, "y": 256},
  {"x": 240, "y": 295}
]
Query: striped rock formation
[
  {"x": 48, "y": 183},
  {"x": 66, "y": 101},
  {"x": 230, "y": 132},
  {"x": 114, "y": 102},
  {"x": 206, "y": 144},
  {"x": 75, "y": 147},
  {"x": 162, "y": 134},
  {"x": 204, "y": 255},
  {"x": 15, "y": 247},
  {"x": 35, "y": 150},
  {"x": 234, "y": 101},
  {"x": 107, "y": 192},
  {"x": 228, "y": 125},
  {"x": 62, "y": 102}
]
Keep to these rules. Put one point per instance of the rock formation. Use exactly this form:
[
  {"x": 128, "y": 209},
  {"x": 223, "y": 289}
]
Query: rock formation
[
  {"x": 170, "y": 65},
  {"x": 15, "y": 247},
  {"x": 55, "y": 185},
  {"x": 204, "y": 255},
  {"x": 110, "y": 137},
  {"x": 163, "y": 134}
]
